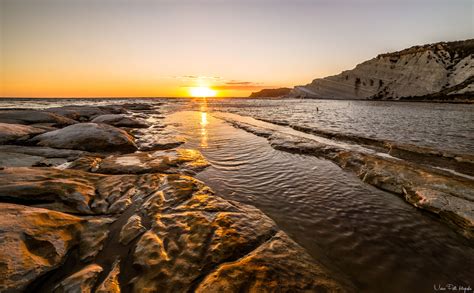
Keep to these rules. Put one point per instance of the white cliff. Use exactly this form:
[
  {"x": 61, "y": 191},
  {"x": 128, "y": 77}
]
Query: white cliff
[{"x": 430, "y": 71}]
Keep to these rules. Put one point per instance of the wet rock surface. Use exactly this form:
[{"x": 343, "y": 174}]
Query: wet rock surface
[
  {"x": 167, "y": 161},
  {"x": 157, "y": 138},
  {"x": 134, "y": 222}
]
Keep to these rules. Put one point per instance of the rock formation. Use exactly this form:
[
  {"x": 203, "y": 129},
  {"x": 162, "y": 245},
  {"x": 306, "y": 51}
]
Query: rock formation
[
  {"x": 34, "y": 117},
  {"x": 17, "y": 132},
  {"x": 270, "y": 93},
  {"x": 85, "y": 113},
  {"x": 441, "y": 71},
  {"x": 120, "y": 120},
  {"x": 88, "y": 137}
]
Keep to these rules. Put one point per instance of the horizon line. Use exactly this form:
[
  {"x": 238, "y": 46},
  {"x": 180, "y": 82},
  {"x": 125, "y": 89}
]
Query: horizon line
[{"x": 127, "y": 97}]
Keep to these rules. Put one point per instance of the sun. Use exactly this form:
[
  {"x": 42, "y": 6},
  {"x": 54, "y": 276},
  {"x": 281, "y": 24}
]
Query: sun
[{"x": 202, "y": 92}]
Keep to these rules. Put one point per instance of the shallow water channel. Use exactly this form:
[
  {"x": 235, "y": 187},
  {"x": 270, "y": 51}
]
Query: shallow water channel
[{"x": 379, "y": 241}]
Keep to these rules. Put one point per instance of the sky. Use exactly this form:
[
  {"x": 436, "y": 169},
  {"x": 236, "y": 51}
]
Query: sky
[{"x": 162, "y": 48}]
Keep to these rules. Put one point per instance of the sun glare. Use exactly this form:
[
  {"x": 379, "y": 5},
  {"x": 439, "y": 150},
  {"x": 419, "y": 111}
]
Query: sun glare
[{"x": 202, "y": 92}]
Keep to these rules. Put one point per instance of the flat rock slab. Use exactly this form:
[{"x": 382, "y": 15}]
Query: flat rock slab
[
  {"x": 17, "y": 132},
  {"x": 91, "y": 137},
  {"x": 159, "y": 142},
  {"x": 140, "y": 106},
  {"x": 46, "y": 152},
  {"x": 167, "y": 161},
  {"x": 85, "y": 113},
  {"x": 18, "y": 160},
  {"x": 22, "y": 160},
  {"x": 33, "y": 116},
  {"x": 61, "y": 190},
  {"x": 157, "y": 138},
  {"x": 73, "y": 191},
  {"x": 120, "y": 120}
]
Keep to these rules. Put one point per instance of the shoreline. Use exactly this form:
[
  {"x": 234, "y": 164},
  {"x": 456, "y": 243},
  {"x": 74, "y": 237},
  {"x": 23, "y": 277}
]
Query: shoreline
[{"x": 409, "y": 100}]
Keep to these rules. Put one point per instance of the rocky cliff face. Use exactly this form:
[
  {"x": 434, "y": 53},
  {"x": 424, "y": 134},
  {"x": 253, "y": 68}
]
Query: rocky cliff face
[{"x": 435, "y": 71}]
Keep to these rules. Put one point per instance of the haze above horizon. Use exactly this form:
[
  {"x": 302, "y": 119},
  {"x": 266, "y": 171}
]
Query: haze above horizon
[{"x": 146, "y": 48}]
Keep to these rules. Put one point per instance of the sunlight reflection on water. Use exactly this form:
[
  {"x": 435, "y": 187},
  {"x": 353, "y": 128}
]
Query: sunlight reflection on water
[{"x": 203, "y": 124}]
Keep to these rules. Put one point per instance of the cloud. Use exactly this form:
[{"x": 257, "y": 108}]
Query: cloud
[
  {"x": 236, "y": 82},
  {"x": 240, "y": 85},
  {"x": 218, "y": 83},
  {"x": 198, "y": 77},
  {"x": 245, "y": 87}
]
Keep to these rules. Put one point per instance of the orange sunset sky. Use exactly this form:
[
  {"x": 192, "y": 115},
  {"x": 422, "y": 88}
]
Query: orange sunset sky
[{"x": 146, "y": 48}]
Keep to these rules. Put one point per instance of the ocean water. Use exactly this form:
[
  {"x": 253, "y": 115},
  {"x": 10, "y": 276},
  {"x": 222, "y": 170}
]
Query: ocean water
[{"x": 434, "y": 125}]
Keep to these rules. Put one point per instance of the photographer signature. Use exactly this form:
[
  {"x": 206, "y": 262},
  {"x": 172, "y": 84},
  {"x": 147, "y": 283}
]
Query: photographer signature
[{"x": 452, "y": 287}]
